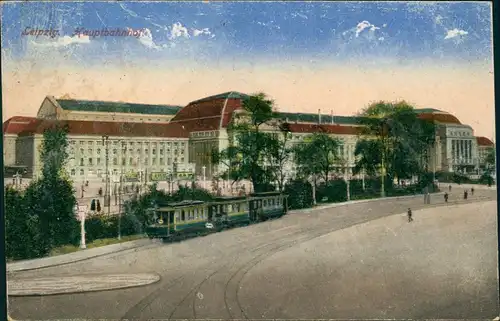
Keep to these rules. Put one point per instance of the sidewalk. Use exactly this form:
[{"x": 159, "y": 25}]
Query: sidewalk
[
  {"x": 75, "y": 256},
  {"x": 333, "y": 205},
  {"x": 110, "y": 249}
]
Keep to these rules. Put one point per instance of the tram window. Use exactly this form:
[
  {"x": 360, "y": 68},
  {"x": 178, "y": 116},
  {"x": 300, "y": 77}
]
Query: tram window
[
  {"x": 196, "y": 214},
  {"x": 183, "y": 216},
  {"x": 230, "y": 208},
  {"x": 265, "y": 203}
]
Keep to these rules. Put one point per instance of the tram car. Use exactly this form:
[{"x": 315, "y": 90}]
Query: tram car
[{"x": 195, "y": 218}]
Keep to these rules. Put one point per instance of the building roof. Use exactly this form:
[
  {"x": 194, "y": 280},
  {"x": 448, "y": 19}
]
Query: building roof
[
  {"x": 329, "y": 129},
  {"x": 483, "y": 141},
  {"x": 314, "y": 118},
  {"x": 117, "y": 107},
  {"x": 99, "y": 128},
  {"x": 226, "y": 95},
  {"x": 17, "y": 124},
  {"x": 428, "y": 110},
  {"x": 211, "y": 113}
]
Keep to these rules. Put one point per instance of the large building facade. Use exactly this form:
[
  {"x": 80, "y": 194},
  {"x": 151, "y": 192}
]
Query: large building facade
[{"x": 147, "y": 140}]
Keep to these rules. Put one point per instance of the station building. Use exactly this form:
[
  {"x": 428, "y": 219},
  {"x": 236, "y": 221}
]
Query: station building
[{"x": 147, "y": 140}]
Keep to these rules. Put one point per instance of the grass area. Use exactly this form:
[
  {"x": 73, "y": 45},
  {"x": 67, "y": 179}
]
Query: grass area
[{"x": 96, "y": 243}]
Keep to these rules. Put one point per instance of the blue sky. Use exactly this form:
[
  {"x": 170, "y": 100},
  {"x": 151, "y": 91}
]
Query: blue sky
[{"x": 252, "y": 31}]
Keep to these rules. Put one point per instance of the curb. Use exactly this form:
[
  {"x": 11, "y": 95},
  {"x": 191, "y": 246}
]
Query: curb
[
  {"x": 155, "y": 278},
  {"x": 40, "y": 264},
  {"x": 333, "y": 205}
]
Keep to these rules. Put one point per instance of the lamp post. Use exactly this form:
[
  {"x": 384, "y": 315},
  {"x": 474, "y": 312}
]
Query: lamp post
[
  {"x": 105, "y": 140},
  {"x": 348, "y": 182},
  {"x": 204, "y": 177},
  {"x": 81, "y": 212}
]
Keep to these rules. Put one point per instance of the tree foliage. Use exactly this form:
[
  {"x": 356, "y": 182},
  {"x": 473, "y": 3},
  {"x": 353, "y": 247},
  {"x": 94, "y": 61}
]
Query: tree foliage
[
  {"x": 246, "y": 155},
  {"x": 393, "y": 140},
  {"x": 317, "y": 156},
  {"x": 45, "y": 211}
]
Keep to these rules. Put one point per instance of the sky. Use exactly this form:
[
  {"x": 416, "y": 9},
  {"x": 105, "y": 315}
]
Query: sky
[{"x": 332, "y": 56}]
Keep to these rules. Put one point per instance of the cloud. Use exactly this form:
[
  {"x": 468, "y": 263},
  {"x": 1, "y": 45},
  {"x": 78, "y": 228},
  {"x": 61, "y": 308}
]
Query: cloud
[
  {"x": 178, "y": 30},
  {"x": 204, "y": 31},
  {"x": 146, "y": 39},
  {"x": 365, "y": 30},
  {"x": 438, "y": 20},
  {"x": 300, "y": 15},
  {"x": 62, "y": 41},
  {"x": 454, "y": 33},
  {"x": 363, "y": 25}
]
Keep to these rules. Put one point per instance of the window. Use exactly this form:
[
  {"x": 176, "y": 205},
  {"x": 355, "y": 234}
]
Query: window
[
  {"x": 130, "y": 150},
  {"x": 130, "y": 161},
  {"x": 90, "y": 162},
  {"x": 114, "y": 151},
  {"x": 146, "y": 161},
  {"x": 161, "y": 151},
  {"x": 115, "y": 161},
  {"x": 183, "y": 215},
  {"x": 162, "y": 161},
  {"x": 154, "y": 151},
  {"x": 154, "y": 161},
  {"x": 123, "y": 161},
  {"x": 98, "y": 151},
  {"x": 138, "y": 151},
  {"x": 82, "y": 151},
  {"x": 81, "y": 162},
  {"x": 73, "y": 172},
  {"x": 90, "y": 142},
  {"x": 146, "y": 151},
  {"x": 182, "y": 160},
  {"x": 90, "y": 151},
  {"x": 82, "y": 172}
]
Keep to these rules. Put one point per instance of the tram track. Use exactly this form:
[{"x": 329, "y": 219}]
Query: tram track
[{"x": 296, "y": 234}]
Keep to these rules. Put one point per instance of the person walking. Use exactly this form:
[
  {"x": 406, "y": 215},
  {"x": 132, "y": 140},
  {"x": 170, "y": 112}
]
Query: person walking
[
  {"x": 465, "y": 194},
  {"x": 446, "y": 197},
  {"x": 410, "y": 214},
  {"x": 472, "y": 191},
  {"x": 449, "y": 188}
]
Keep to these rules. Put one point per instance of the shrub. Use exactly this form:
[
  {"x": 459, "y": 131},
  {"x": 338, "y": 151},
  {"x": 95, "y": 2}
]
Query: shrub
[
  {"x": 333, "y": 191},
  {"x": 299, "y": 194}
]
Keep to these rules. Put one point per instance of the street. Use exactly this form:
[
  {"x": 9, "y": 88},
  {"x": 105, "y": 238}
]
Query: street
[{"x": 352, "y": 261}]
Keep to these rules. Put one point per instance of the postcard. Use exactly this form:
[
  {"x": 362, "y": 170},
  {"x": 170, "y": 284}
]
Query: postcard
[{"x": 249, "y": 160}]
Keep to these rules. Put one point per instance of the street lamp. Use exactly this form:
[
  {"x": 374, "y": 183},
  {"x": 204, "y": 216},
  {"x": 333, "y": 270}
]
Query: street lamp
[
  {"x": 204, "y": 177},
  {"x": 348, "y": 182},
  {"x": 105, "y": 140},
  {"x": 81, "y": 212}
]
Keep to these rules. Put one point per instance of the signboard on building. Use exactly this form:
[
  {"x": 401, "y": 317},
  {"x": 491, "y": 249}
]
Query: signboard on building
[
  {"x": 185, "y": 175},
  {"x": 159, "y": 176},
  {"x": 131, "y": 177}
]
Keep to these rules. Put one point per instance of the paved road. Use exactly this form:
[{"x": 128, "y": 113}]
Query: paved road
[{"x": 240, "y": 273}]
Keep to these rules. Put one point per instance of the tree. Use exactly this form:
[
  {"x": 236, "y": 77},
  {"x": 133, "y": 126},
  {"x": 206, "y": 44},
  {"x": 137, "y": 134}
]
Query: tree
[
  {"x": 490, "y": 159},
  {"x": 231, "y": 161},
  {"x": 317, "y": 156},
  {"x": 394, "y": 141},
  {"x": 278, "y": 154},
  {"x": 18, "y": 229},
  {"x": 52, "y": 198},
  {"x": 248, "y": 142}
]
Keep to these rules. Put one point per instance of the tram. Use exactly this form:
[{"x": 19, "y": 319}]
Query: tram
[{"x": 194, "y": 218}]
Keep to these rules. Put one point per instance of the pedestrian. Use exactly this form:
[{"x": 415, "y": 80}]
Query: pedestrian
[
  {"x": 465, "y": 194},
  {"x": 449, "y": 188},
  {"x": 410, "y": 218},
  {"x": 472, "y": 191},
  {"x": 446, "y": 197}
]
